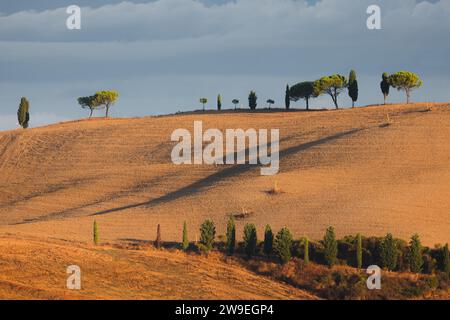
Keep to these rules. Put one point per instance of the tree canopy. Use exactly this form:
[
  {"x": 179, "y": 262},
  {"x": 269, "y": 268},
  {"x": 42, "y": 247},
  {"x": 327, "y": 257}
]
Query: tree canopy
[
  {"x": 332, "y": 85},
  {"x": 406, "y": 81},
  {"x": 353, "y": 87},
  {"x": 106, "y": 98},
  {"x": 90, "y": 103},
  {"x": 23, "y": 113},
  {"x": 385, "y": 86},
  {"x": 303, "y": 90}
]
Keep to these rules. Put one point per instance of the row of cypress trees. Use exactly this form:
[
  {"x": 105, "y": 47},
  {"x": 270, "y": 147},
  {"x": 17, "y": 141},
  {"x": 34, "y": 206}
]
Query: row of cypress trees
[{"x": 281, "y": 245}]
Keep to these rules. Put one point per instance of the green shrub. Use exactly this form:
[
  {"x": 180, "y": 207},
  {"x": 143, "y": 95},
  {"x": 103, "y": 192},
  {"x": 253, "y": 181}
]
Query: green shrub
[
  {"x": 250, "y": 239},
  {"x": 268, "y": 240},
  {"x": 207, "y": 235},
  {"x": 305, "y": 250},
  {"x": 445, "y": 256},
  {"x": 388, "y": 252},
  {"x": 231, "y": 236},
  {"x": 330, "y": 247},
  {"x": 283, "y": 245}
]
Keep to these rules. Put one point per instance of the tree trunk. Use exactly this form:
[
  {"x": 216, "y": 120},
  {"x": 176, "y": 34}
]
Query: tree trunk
[
  {"x": 384, "y": 95},
  {"x": 107, "y": 111},
  {"x": 90, "y": 116},
  {"x": 353, "y": 104},
  {"x": 307, "y": 103},
  {"x": 407, "y": 96}
]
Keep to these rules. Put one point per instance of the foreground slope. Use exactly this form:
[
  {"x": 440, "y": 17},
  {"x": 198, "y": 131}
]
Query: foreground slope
[
  {"x": 343, "y": 168},
  {"x": 34, "y": 269}
]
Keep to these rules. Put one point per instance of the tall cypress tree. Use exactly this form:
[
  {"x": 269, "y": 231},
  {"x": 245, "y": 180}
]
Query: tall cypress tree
[
  {"x": 250, "y": 239},
  {"x": 23, "y": 114},
  {"x": 353, "y": 87},
  {"x": 158, "y": 237},
  {"x": 231, "y": 236},
  {"x": 446, "y": 262},
  {"x": 268, "y": 240},
  {"x": 330, "y": 247},
  {"x": 95, "y": 233},
  {"x": 185, "y": 243},
  {"x": 359, "y": 257},
  {"x": 388, "y": 252},
  {"x": 252, "y": 100},
  {"x": 219, "y": 102},
  {"x": 385, "y": 86},
  {"x": 415, "y": 258},
  {"x": 287, "y": 98},
  {"x": 306, "y": 251}
]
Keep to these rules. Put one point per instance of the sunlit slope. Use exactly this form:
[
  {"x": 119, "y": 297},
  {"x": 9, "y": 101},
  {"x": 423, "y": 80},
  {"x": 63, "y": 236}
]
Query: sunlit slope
[
  {"x": 112, "y": 273},
  {"x": 342, "y": 168}
]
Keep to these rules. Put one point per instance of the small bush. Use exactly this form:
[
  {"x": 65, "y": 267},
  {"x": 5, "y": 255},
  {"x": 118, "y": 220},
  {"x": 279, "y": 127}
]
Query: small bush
[
  {"x": 446, "y": 263},
  {"x": 359, "y": 251},
  {"x": 158, "y": 243},
  {"x": 207, "y": 235},
  {"x": 305, "y": 250},
  {"x": 283, "y": 245},
  {"x": 250, "y": 239}
]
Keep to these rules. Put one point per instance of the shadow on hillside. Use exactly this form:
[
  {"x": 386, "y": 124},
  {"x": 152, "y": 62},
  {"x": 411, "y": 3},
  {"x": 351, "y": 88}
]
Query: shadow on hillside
[{"x": 228, "y": 172}]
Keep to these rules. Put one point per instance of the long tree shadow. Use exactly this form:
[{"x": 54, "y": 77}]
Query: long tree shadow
[{"x": 228, "y": 172}]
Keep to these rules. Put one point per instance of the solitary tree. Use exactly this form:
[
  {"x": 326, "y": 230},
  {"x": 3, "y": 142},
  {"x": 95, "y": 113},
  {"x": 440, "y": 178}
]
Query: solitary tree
[
  {"x": 250, "y": 239},
  {"x": 235, "y": 102},
  {"x": 270, "y": 102},
  {"x": 95, "y": 233},
  {"x": 385, "y": 86},
  {"x": 332, "y": 85},
  {"x": 406, "y": 81},
  {"x": 306, "y": 250},
  {"x": 207, "y": 234},
  {"x": 268, "y": 240},
  {"x": 252, "y": 100},
  {"x": 388, "y": 252},
  {"x": 283, "y": 245},
  {"x": 415, "y": 258},
  {"x": 303, "y": 90},
  {"x": 330, "y": 247},
  {"x": 185, "y": 243},
  {"x": 287, "y": 97},
  {"x": 359, "y": 256},
  {"x": 23, "y": 115},
  {"x": 90, "y": 103},
  {"x": 353, "y": 87},
  {"x": 231, "y": 236},
  {"x": 158, "y": 237},
  {"x": 107, "y": 99},
  {"x": 219, "y": 102},
  {"x": 203, "y": 101}
]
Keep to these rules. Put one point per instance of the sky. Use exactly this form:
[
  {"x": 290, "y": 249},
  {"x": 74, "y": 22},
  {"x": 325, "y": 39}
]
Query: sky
[{"x": 163, "y": 55}]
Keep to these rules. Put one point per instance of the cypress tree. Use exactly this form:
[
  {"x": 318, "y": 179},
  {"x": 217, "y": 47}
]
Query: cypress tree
[
  {"x": 385, "y": 85},
  {"x": 388, "y": 252},
  {"x": 283, "y": 245},
  {"x": 207, "y": 234},
  {"x": 95, "y": 233},
  {"x": 287, "y": 98},
  {"x": 252, "y": 100},
  {"x": 23, "y": 115},
  {"x": 306, "y": 250},
  {"x": 359, "y": 256},
  {"x": 185, "y": 243},
  {"x": 250, "y": 239},
  {"x": 330, "y": 246},
  {"x": 158, "y": 237},
  {"x": 445, "y": 256},
  {"x": 353, "y": 87},
  {"x": 415, "y": 258},
  {"x": 268, "y": 240},
  {"x": 231, "y": 236},
  {"x": 219, "y": 102}
]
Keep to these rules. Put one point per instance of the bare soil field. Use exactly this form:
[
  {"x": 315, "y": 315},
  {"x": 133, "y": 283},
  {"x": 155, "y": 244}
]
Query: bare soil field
[{"x": 344, "y": 168}]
